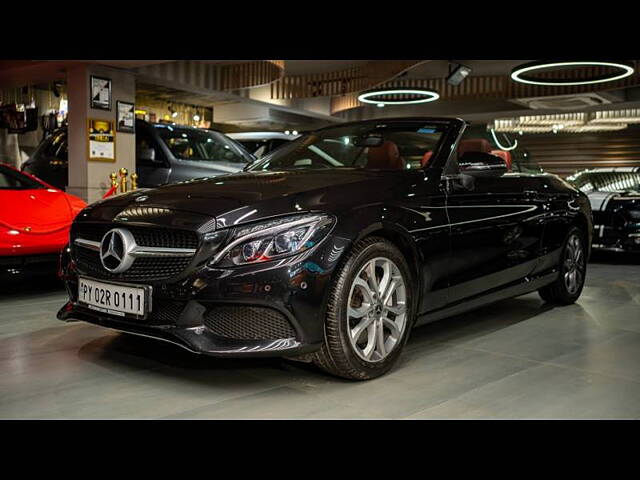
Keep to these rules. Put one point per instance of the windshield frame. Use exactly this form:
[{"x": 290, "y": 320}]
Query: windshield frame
[{"x": 441, "y": 152}]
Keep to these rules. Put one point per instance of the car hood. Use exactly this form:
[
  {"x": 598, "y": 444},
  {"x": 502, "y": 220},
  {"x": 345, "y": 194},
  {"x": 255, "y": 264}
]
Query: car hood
[
  {"x": 243, "y": 197},
  {"x": 35, "y": 211}
]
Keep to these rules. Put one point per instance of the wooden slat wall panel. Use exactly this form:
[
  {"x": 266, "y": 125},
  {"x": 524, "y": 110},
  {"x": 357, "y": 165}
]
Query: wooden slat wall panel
[
  {"x": 566, "y": 153},
  {"x": 341, "y": 82},
  {"x": 218, "y": 77}
]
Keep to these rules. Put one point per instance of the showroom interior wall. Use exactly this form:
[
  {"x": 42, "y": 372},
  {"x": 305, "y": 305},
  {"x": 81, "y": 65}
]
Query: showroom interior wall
[
  {"x": 90, "y": 179},
  {"x": 567, "y": 153}
]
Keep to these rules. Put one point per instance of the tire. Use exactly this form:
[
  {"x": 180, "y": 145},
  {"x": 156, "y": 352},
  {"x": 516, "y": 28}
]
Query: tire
[
  {"x": 366, "y": 355},
  {"x": 573, "y": 259}
]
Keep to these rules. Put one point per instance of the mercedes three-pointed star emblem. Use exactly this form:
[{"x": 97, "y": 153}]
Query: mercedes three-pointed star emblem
[{"x": 115, "y": 250}]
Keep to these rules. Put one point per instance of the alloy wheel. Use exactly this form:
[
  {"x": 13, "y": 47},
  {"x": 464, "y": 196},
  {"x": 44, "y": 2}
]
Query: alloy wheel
[
  {"x": 573, "y": 264},
  {"x": 377, "y": 309}
]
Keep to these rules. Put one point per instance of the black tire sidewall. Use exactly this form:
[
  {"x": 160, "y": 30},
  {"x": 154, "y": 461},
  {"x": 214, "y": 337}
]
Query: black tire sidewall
[{"x": 380, "y": 248}]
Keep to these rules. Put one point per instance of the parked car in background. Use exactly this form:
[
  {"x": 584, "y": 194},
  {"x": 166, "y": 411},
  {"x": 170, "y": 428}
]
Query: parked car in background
[
  {"x": 330, "y": 249},
  {"x": 261, "y": 143},
  {"x": 34, "y": 223},
  {"x": 614, "y": 194},
  {"x": 165, "y": 153}
]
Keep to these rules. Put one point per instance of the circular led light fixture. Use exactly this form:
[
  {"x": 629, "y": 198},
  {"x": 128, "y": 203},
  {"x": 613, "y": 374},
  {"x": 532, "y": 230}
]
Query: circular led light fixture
[
  {"x": 522, "y": 73},
  {"x": 386, "y": 97}
]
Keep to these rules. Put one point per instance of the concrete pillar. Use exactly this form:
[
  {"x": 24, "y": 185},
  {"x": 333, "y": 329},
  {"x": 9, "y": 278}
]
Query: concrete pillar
[{"x": 90, "y": 179}]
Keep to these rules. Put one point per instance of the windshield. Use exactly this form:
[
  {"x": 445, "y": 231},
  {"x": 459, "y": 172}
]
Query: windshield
[
  {"x": 202, "y": 145},
  {"x": 607, "y": 181},
  {"x": 12, "y": 180},
  {"x": 380, "y": 146}
]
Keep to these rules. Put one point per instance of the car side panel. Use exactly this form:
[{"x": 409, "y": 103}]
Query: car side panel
[{"x": 496, "y": 231}]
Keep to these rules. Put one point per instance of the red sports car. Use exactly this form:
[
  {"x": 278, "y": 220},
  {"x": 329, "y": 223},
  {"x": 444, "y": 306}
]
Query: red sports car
[{"x": 34, "y": 222}]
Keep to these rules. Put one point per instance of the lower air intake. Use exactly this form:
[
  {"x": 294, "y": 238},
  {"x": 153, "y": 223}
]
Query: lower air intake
[{"x": 248, "y": 323}]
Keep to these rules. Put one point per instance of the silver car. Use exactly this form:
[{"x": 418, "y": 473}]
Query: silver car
[{"x": 165, "y": 153}]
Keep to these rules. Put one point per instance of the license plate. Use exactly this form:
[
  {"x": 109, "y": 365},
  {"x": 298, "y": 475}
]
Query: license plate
[{"x": 115, "y": 299}]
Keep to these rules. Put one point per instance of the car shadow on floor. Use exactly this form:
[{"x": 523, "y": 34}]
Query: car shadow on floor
[{"x": 165, "y": 359}]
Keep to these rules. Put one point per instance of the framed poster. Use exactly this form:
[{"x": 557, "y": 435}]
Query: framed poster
[
  {"x": 100, "y": 93},
  {"x": 102, "y": 140},
  {"x": 125, "y": 117}
]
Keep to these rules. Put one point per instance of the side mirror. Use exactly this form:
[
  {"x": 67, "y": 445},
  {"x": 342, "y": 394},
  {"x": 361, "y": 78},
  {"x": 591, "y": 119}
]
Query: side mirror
[
  {"x": 146, "y": 154},
  {"x": 481, "y": 164}
]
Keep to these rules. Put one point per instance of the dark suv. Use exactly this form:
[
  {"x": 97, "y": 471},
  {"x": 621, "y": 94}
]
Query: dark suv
[{"x": 164, "y": 154}]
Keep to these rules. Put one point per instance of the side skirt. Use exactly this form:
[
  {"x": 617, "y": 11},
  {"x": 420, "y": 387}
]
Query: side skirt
[{"x": 527, "y": 285}]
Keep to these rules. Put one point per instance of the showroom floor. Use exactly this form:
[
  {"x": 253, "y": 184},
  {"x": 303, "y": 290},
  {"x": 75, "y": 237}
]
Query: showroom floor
[{"x": 515, "y": 359}]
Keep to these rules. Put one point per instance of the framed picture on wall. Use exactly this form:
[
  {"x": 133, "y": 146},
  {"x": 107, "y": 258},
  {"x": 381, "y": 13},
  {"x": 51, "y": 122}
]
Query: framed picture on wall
[
  {"x": 102, "y": 140},
  {"x": 125, "y": 117},
  {"x": 100, "y": 93}
]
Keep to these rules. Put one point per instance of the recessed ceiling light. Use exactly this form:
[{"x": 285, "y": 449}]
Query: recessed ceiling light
[
  {"x": 518, "y": 73},
  {"x": 384, "y": 97}
]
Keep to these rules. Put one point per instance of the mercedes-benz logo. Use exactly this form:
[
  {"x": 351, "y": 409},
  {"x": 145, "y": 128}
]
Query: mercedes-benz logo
[{"x": 115, "y": 250}]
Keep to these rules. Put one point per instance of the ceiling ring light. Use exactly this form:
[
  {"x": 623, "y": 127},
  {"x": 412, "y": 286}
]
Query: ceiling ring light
[
  {"x": 518, "y": 73},
  {"x": 377, "y": 97}
]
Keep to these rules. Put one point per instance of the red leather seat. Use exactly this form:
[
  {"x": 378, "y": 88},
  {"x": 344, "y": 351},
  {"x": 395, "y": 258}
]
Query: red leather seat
[
  {"x": 474, "y": 145},
  {"x": 385, "y": 157},
  {"x": 505, "y": 155},
  {"x": 426, "y": 157}
]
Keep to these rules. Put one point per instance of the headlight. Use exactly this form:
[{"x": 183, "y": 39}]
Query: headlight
[{"x": 274, "y": 239}]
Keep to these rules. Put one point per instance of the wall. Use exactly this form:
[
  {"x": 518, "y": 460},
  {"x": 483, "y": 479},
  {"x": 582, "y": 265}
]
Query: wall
[
  {"x": 566, "y": 153},
  {"x": 90, "y": 179}
]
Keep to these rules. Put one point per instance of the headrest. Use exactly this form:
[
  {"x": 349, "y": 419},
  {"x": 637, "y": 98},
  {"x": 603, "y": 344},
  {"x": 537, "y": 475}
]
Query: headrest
[
  {"x": 385, "y": 157},
  {"x": 505, "y": 155},
  {"x": 473, "y": 145},
  {"x": 426, "y": 157}
]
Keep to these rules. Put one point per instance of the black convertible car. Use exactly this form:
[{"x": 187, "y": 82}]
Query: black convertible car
[
  {"x": 614, "y": 194},
  {"x": 330, "y": 249}
]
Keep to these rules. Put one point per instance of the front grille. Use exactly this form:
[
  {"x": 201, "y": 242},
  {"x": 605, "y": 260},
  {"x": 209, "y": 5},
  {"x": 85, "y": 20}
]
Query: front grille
[
  {"x": 143, "y": 268},
  {"x": 147, "y": 237},
  {"x": 248, "y": 323}
]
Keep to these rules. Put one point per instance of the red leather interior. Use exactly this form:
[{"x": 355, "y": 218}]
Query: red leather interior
[
  {"x": 426, "y": 157},
  {"x": 385, "y": 157},
  {"x": 474, "y": 145},
  {"x": 505, "y": 155}
]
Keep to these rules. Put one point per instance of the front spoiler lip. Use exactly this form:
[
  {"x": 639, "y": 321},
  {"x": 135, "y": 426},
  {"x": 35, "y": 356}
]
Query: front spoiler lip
[{"x": 194, "y": 339}]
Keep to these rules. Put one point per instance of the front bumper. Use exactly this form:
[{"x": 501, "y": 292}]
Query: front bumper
[{"x": 194, "y": 312}]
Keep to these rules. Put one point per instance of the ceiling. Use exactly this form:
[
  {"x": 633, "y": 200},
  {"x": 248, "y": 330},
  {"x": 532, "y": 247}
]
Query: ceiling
[{"x": 295, "y": 74}]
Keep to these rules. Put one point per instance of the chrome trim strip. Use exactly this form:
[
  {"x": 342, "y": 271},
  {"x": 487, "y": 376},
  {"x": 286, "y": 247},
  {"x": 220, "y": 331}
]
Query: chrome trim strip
[
  {"x": 528, "y": 209},
  {"x": 139, "y": 251},
  {"x": 162, "y": 252},
  {"x": 91, "y": 245}
]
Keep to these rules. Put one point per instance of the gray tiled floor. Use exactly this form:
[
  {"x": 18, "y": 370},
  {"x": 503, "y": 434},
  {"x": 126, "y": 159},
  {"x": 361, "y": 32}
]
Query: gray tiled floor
[{"x": 514, "y": 359}]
